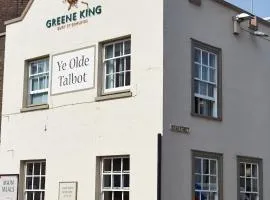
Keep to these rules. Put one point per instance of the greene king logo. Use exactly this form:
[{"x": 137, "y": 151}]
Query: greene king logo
[
  {"x": 74, "y": 3},
  {"x": 76, "y": 18}
]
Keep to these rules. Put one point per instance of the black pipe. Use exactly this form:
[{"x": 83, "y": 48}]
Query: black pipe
[{"x": 159, "y": 166}]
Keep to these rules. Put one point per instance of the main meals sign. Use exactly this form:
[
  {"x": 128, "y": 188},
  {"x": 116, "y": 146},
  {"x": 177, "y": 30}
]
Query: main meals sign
[{"x": 73, "y": 71}]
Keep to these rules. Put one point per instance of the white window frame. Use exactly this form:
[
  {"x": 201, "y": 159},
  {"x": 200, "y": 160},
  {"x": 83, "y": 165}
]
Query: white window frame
[
  {"x": 115, "y": 89},
  {"x": 40, "y": 176},
  {"x": 112, "y": 189},
  {"x": 244, "y": 193},
  {"x": 30, "y": 78},
  {"x": 208, "y": 175}
]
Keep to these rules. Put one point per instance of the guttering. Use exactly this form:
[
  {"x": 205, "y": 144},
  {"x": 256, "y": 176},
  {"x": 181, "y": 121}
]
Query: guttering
[{"x": 159, "y": 161}]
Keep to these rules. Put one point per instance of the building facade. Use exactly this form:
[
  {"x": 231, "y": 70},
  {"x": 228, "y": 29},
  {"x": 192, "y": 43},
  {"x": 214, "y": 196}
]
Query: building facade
[{"x": 90, "y": 87}]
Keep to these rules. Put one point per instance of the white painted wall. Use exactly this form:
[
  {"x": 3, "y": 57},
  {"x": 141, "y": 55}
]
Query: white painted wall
[{"x": 78, "y": 128}]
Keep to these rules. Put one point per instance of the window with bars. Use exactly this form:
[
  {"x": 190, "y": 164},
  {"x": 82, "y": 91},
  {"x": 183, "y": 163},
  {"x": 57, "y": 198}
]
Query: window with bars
[
  {"x": 34, "y": 185},
  {"x": 38, "y": 81},
  {"x": 249, "y": 178},
  {"x": 117, "y": 66},
  {"x": 206, "y": 80},
  {"x": 206, "y": 176},
  {"x": 115, "y": 178}
]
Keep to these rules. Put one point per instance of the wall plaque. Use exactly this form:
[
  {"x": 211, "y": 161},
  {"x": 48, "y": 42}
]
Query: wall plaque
[
  {"x": 180, "y": 129},
  {"x": 9, "y": 187},
  {"x": 73, "y": 71},
  {"x": 67, "y": 191}
]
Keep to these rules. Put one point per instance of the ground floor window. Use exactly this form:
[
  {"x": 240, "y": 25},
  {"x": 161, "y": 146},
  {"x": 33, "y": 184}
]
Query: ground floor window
[
  {"x": 250, "y": 179},
  {"x": 34, "y": 182},
  {"x": 115, "y": 177},
  {"x": 206, "y": 175}
]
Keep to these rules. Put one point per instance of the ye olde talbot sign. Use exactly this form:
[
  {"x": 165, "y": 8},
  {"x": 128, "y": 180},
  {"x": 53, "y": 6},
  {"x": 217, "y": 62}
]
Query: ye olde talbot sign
[
  {"x": 8, "y": 187},
  {"x": 72, "y": 71},
  {"x": 180, "y": 129}
]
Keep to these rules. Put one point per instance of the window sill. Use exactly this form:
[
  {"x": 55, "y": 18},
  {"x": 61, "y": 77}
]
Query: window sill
[
  {"x": 114, "y": 96},
  {"x": 35, "y": 107},
  {"x": 207, "y": 117}
]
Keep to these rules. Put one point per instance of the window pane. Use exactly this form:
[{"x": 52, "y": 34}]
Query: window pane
[
  {"x": 117, "y": 195},
  {"x": 42, "y": 82},
  {"x": 127, "y": 83},
  {"x": 254, "y": 197},
  {"x": 212, "y": 196},
  {"x": 39, "y": 98},
  {"x": 206, "y": 166},
  {"x": 125, "y": 164},
  {"x": 109, "y": 67},
  {"x": 37, "y": 196},
  {"x": 203, "y": 88},
  {"x": 254, "y": 171},
  {"x": 197, "y": 56},
  {"x": 42, "y": 195},
  {"x": 204, "y": 196},
  {"x": 43, "y": 168},
  {"x": 29, "y": 168},
  {"x": 204, "y": 73},
  {"x": 248, "y": 170},
  {"x": 127, "y": 47},
  {"x": 254, "y": 185},
  {"x": 242, "y": 169},
  {"x": 197, "y": 71},
  {"x": 126, "y": 195},
  {"x": 120, "y": 64},
  {"x": 212, "y": 61},
  {"x": 248, "y": 184},
  {"x": 36, "y": 183},
  {"x": 107, "y": 195},
  {"x": 41, "y": 66},
  {"x": 109, "y": 51},
  {"x": 119, "y": 79},
  {"x": 117, "y": 164},
  {"x": 107, "y": 181},
  {"x": 213, "y": 167},
  {"x": 106, "y": 165},
  {"x": 29, "y": 195},
  {"x": 128, "y": 63},
  {"x": 118, "y": 49},
  {"x": 126, "y": 180},
  {"x": 109, "y": 81},
  {"x": 28, "y": 183},
  {"x": 204, "y": 58},
  {"x": 213, "y": 183},
  {"x": 242, "y": 184},
  {"x": 34, "y": 84},
  {"x": 197, "y": 195},
  {"x": 212, "y": 75},
  {"x": 42, "y": 183},
  {"x": 211, "y": 90},
  {"x": 33, "y": 68},
  {"x": 206, "y": 182},
  {"x": 116, "y": 181},
  {"x": 198, "y": 182},
  {"x": 197, "y": 165}
]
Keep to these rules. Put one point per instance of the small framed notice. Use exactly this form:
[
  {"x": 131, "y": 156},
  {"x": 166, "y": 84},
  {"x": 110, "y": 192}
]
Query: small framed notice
[
  {"x": 67, "y": 191},
  {"x": 9, "y": 186}
]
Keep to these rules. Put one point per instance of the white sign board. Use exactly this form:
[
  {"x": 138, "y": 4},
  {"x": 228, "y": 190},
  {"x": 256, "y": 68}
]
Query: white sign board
[
  {"x": 8, "y": 187},
  {"x": 67, "y": 191},
  {"x": 72, "y": 71}
]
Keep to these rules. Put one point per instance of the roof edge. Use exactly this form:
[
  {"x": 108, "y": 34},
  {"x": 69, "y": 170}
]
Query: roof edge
[
  {"x": 20, "y": 18},
  {"x": 2, "y": 34},
  {"x": 238, "y": 9}
]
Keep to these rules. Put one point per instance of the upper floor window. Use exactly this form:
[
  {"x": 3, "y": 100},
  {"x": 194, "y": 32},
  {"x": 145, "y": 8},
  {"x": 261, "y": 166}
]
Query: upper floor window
[
  {"x": 38, "y": 79},
  {"x": 206, "y": 80},
  {"x": 116, "y": 66}
]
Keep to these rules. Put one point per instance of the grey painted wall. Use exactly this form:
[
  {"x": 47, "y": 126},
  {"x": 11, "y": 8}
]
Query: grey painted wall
[{"x": 245, "y": 128}]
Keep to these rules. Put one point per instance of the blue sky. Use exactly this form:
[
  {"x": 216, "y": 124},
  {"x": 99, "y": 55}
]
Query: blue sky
[{"x": 261, "y": 7}]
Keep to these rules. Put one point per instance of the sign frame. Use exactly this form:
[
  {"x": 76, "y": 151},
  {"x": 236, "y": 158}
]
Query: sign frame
[
  {"x": 18, "y": 182},
  {"x": 70, "y": 51},
  {"x": 68, "y": 182}
]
